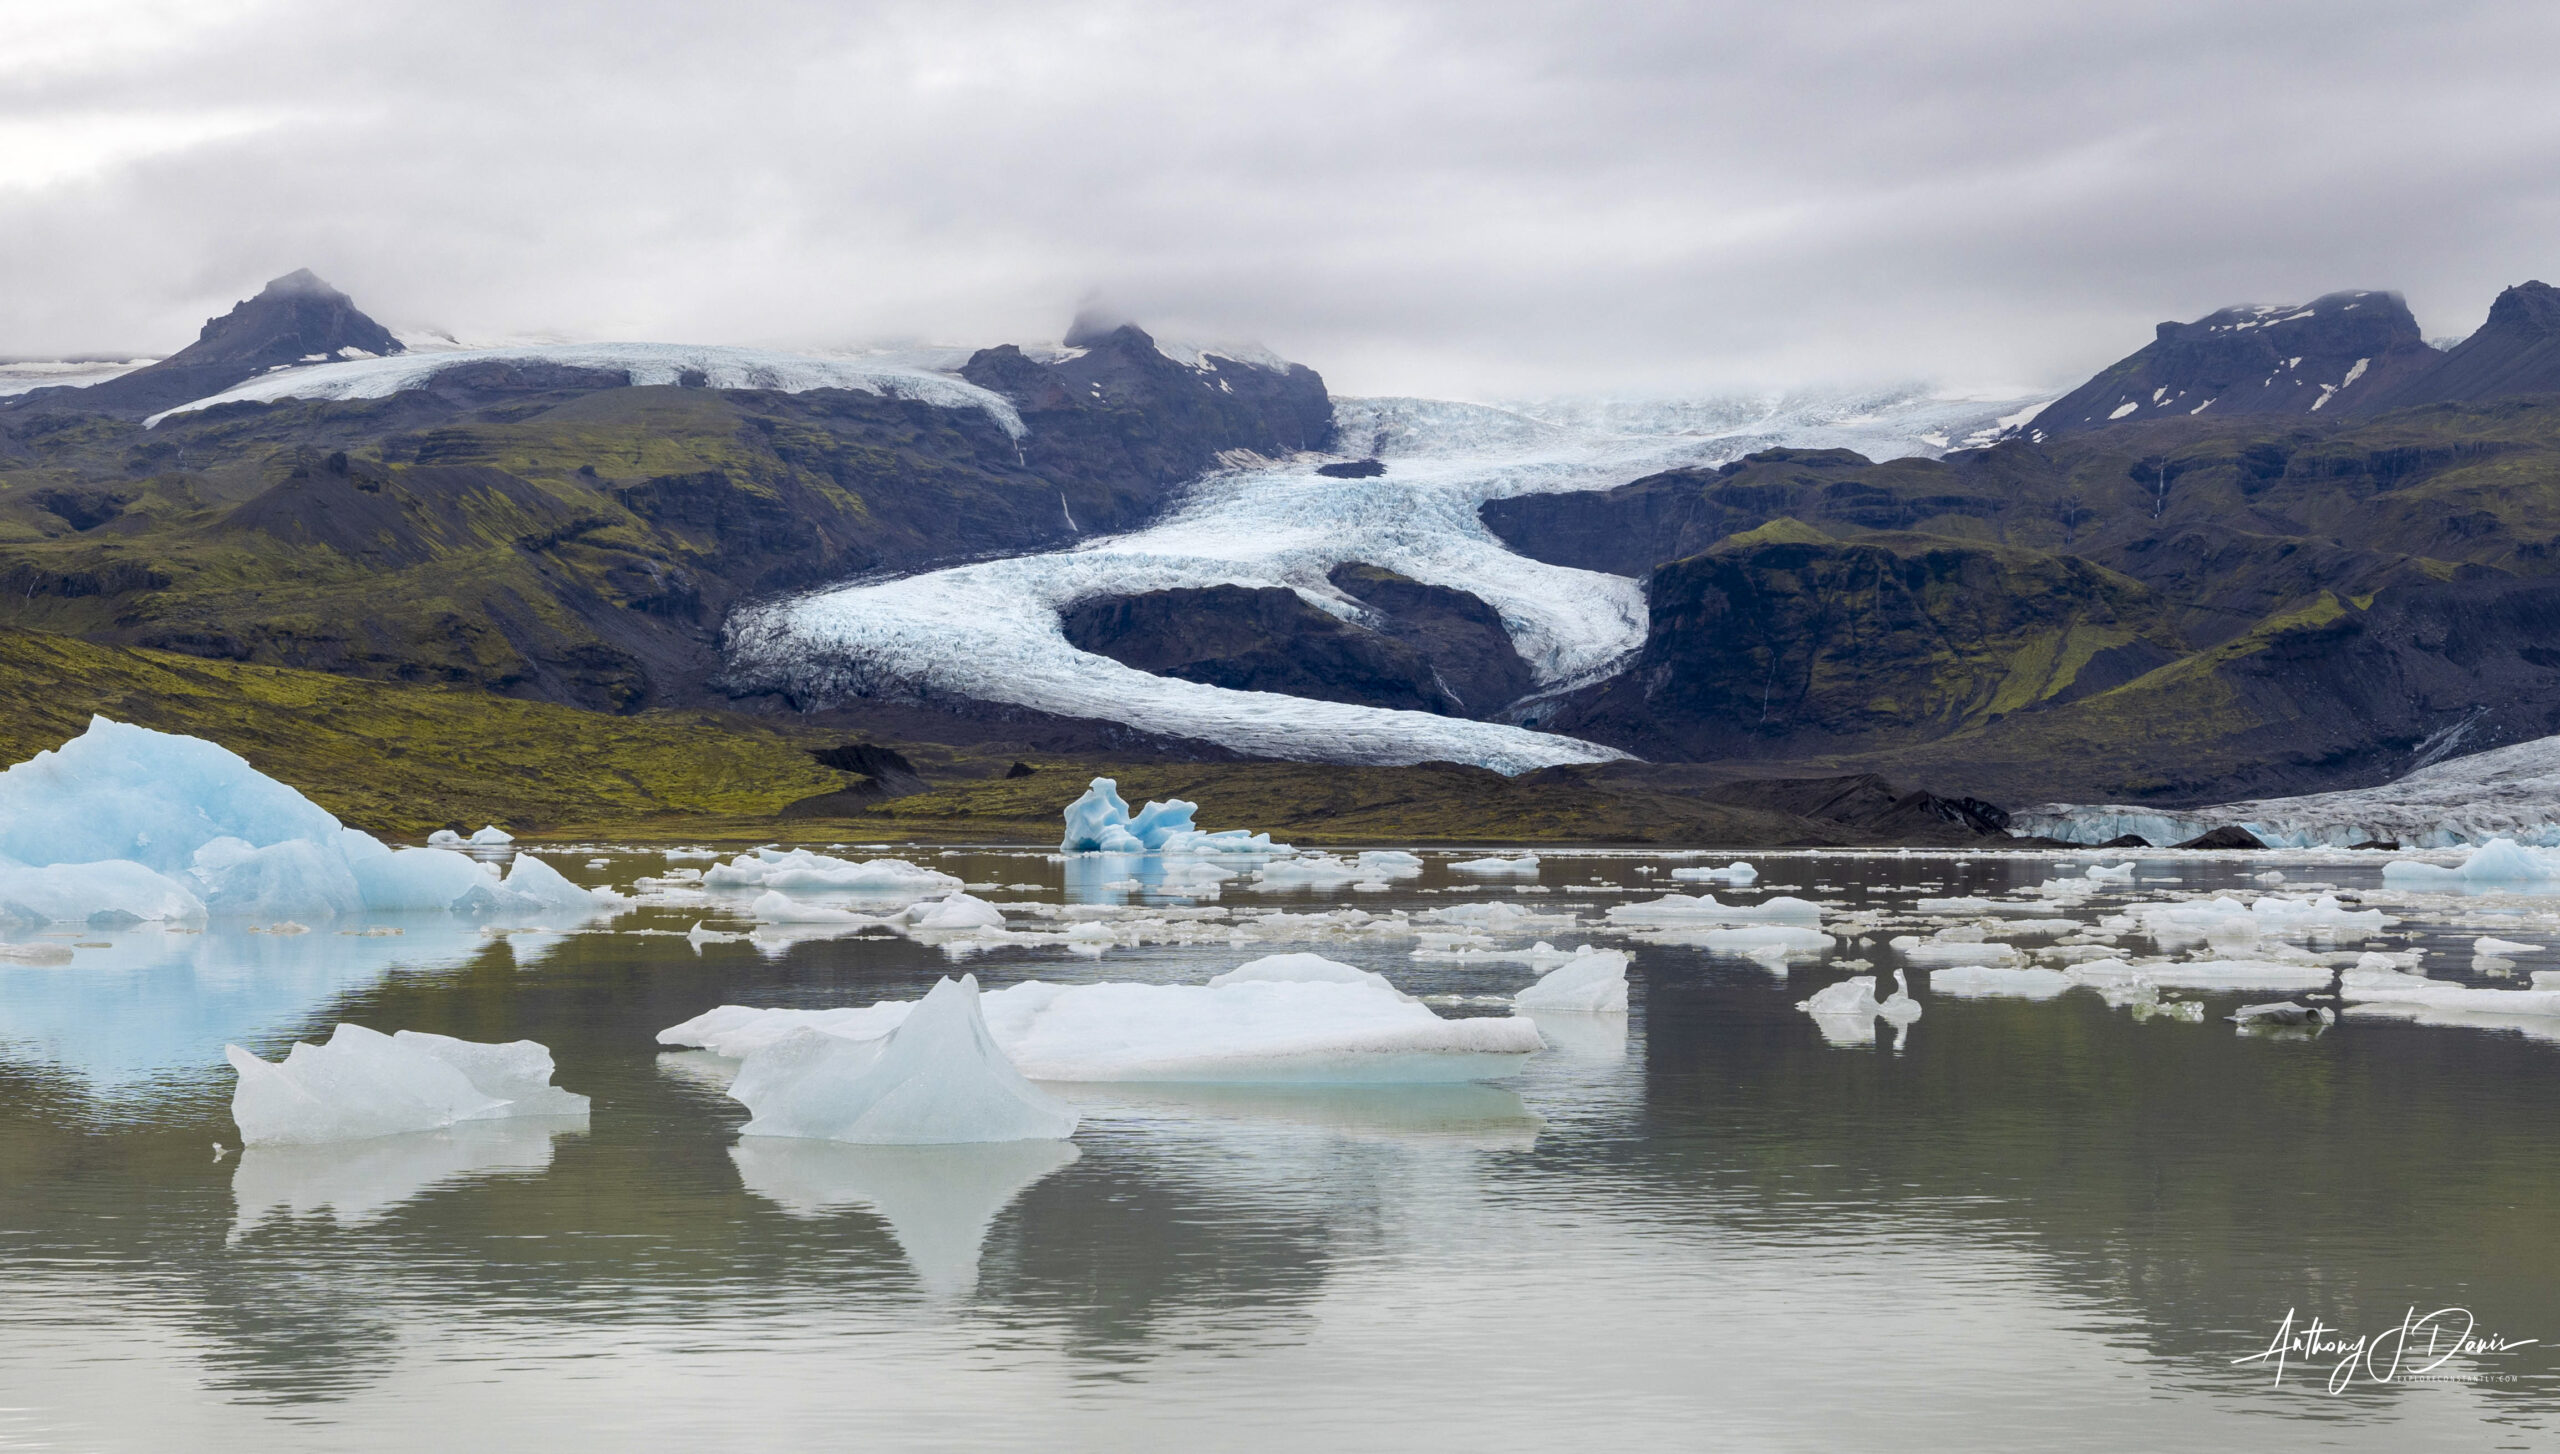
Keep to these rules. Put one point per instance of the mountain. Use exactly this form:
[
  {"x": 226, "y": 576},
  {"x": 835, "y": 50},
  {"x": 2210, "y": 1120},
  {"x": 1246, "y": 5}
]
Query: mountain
[
  {"x": 2182, "y": 610},
  {"x": 554, "y": 532},
  {"x": 2517, "y": 351},
  {"x": 296, "y": 319},
  {"x": 2328, "y": 354}
]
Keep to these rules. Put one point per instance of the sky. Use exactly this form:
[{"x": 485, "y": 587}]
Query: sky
[{"x": 1485, "y": 199}]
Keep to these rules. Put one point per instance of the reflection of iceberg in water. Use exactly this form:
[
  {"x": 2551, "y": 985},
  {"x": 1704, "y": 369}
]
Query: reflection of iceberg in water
[
  {"x": 1594, "y": 1038},
  {"x": 1475, "y": 1116},
  {"x": 357, "y": 1181},
  {"x": 938, "y": 1200},
  {"x": 152, "y": 1002}
]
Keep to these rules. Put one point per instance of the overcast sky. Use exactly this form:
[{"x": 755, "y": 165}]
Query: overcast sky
[{"x": 1467, "y": 199}]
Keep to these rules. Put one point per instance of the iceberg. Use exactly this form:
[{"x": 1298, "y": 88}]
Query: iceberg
[
  {"x": 1736, "y": 872},
  {"x": 1100, "y": 822},
  {"x": 1853, "y": 996},
  {"x": 1301, "y": 969},
  {"x": 1678, "y": 909},
  {"x": 125, "y": 821},
  {"x": 2499, "y": 862},
  {"x": 799, "y": 871},
  {"x": 938, "y": 1201},
  {"x": 492, "y": 836},
  {"x": 955, "y": 910},
  {"x": 1592, "y": 982},
  {"x": 1261, "y": 1030},
  {"x": 1524, "y": 866},
  {"x": 1979, "y": 981},
  {"x": 361, "y": 1084},
  {"x": 935, "y": 1079}
]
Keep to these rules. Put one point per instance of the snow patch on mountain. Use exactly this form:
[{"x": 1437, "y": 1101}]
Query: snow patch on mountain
[{"x": 897, "y": 375}]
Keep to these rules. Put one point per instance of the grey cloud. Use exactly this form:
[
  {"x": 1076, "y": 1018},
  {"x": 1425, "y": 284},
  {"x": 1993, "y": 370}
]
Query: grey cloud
[{"x": 1477, "y": 198}]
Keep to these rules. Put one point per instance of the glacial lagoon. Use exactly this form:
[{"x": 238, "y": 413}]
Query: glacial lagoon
[{"x": 2067, "y": 1222}]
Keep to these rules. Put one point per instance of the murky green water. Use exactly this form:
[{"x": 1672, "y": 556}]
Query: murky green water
[{"x": 2045, "y": 1225}]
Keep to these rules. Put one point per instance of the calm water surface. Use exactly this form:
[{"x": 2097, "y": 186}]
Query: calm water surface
[{"x": 2033, "y": 1225}]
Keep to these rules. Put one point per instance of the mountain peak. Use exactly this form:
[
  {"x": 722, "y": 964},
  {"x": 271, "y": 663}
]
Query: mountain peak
[
  {"x": 2299, "y": 358},
  {"x": 2517, "y": 351},
  {"x": 295, "y": 319}
]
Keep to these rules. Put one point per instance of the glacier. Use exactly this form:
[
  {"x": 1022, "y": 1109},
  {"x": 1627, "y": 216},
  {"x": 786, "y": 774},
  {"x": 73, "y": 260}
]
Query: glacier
[
  {"x": 990, "y": 630},
  {"x": 936, "y": 1079},
  {"x": 123, "y": 824},
  {"x": 2506, "y": 792},
  {"x": 1260, "y": 1030},
  {"x": 922, "y": 377},
  {"x": 361, "y": 1084}
]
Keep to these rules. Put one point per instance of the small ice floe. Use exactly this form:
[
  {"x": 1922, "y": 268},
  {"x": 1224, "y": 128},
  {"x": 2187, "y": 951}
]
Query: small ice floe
[
  {"x": 1258, "y": 1029},
  {"x": 1764, "y": 941},
  {"x": 1523, "y": 866},
  {"x": 1985, "y": 981},
  {"x": 445, "y": 838},
  {"x": 1949, "y": 948},
  {"x": 361, "y": 1083},
  {"x": 1592, "y": 982},
  {"x": 800, "y": 871},
  {"x": 1736, "y": 872},
  {"x": 776, "y": 907},
  {"x": 1324, "y": 870},
  {"x": 1846, "y": 1012},
  {"x": 954, "y": 911},
  {"x": 491, "y": 836},
  {"x": 2500, "y": 862},
  {"x": 2485, "y": 947},
  {"x": 936, "y": 1078},
  {"x": 2121, "y": 873},
  {"x": 1678, "y": 909}
]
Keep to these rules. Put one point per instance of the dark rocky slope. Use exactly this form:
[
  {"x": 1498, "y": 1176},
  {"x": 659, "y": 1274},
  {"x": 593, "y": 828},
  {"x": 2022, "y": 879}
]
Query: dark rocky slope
[
  {"x": 2317, "y": 604},
  {"x": 2324, "y": 355},
  {"x": 295, "y": 319},
  {"x": 556, "y": 533},
  {"x": 1420, "y": 648},
  {"x": 2517, "y": 351}
]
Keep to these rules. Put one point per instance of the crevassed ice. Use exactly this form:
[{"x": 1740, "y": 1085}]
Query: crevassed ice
[
  {"x": 2506, "y": 792},
  {"x": 646, "y": 363},
  {"x": 989, "y": 631}
]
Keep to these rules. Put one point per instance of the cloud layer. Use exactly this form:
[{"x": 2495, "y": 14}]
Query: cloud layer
[{"x": 1477, "y": 198}]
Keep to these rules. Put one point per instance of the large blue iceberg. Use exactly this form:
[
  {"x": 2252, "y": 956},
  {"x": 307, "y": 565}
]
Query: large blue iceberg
[
  {"x": 124, "y": 825},
  {"x": 1100, "y": 822}
]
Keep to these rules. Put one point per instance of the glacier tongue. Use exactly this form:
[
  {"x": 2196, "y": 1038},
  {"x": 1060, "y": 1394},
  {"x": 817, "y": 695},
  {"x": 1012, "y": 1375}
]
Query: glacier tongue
[{"x": 990, "y": 631}]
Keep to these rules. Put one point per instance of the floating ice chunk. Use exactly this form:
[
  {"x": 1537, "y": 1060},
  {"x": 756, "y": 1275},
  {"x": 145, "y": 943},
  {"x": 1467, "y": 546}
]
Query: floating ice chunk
[
  {"x": 492, "y": 836},
  {"x": 2488, "y": 948},
  {"x": 1309, "y": 870},
  {"x": 776, "y": 907},
  {"x": 2121, "y": 873},
  {"x": 938, "y": 1200},
  {"x": 2362, "y": 986},
  {"x": 956, "y": 911},
  {"x": 1678, "y": 909},
  {"x": 1390, "y": 863},
  {"x": 1256, "y": 1031},
  {"x": 938, "y": 1078},
  {"x": 362, "y": 1084},
  {"x": 1931, "y": 953},
  {"x": 1592, "y": 982},
  {"x": 1854, "y": 996},
  {"x": 1301, "y": 969},
  {"x": 1524, "y": 866},
  {"x": 1981, "y": 981},
  {"x": 2499, "y": 861},
  {"x": 416, "y": 880},
  {"x": 445, "y": 838},
  {"x": 535, "y": 887},
  {"x": 1100, "y": 822},
  {"x": 1785, "y": 938},
  {"x": 2225, "y": 974},
  {"x": 1898, "y": 1007},
  {"x": 1732, "y": 873},
  {"x": 1498, "y": 917},
  {"x": 801, "y": 871}
]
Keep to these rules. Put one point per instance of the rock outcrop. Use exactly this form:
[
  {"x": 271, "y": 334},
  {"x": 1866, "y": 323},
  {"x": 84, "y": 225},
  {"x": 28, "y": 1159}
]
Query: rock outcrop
[
  {"x": 295, "y": 319},
  {"x": 2516, "y": 352}
]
